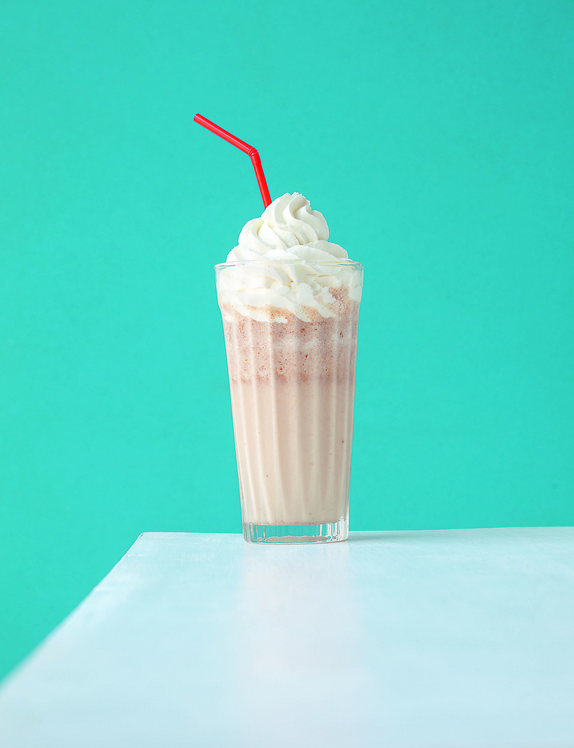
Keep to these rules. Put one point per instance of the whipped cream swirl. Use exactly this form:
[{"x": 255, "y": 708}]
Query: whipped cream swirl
[{"x": 284, "y": 260}]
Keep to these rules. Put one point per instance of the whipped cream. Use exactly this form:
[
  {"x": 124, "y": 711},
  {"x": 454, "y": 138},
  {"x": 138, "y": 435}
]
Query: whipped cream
[{"x": 284, "y": 260}]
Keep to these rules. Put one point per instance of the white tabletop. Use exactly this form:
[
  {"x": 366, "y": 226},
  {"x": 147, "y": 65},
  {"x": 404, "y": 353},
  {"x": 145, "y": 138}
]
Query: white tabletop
[{"x": 453, "y": 638}]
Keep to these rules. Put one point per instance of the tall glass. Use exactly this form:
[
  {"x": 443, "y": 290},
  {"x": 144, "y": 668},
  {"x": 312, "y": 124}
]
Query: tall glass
[{"x": 292, "y": 381}]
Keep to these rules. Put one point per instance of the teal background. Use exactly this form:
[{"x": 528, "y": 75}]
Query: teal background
[{"x": 436, "y": 137}]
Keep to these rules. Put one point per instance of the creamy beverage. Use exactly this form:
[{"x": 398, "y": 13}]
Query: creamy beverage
[{"x": 290, "y": 304}]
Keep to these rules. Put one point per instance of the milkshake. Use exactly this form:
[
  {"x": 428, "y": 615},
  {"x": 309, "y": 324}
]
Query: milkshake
[{"x": 290, "y": 303}]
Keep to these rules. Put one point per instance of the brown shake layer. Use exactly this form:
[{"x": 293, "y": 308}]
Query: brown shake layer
[{"x": 323, "y": 348}]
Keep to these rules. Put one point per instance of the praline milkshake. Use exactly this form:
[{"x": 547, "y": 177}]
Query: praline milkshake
[{"x": 290, "y": 305}]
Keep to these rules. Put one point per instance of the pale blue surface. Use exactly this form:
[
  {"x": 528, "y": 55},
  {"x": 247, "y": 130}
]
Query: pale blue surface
[{"x": 449, "y": 638}]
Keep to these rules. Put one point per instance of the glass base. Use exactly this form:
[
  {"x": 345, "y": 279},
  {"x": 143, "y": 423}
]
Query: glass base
[{"x": 330, "y": 532}]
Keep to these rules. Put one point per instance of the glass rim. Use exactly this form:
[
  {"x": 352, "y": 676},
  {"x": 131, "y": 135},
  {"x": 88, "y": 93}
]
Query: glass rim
[{"x": 297, "y": 260}]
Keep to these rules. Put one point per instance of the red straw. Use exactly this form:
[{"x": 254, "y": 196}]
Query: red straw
[{"x": 248, "y": 149}]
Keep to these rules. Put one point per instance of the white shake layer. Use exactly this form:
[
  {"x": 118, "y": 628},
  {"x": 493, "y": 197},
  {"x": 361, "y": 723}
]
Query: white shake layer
[{"x": 290, "y": 318}]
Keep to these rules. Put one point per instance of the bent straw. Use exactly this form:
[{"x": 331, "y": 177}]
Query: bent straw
[{"x": 248, "y": 149}]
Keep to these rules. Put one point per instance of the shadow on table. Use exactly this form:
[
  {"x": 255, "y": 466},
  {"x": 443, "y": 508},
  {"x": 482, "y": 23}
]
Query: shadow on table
[
  {"x": 393, "y": 536},
  {"x": 380, "y": 537}
]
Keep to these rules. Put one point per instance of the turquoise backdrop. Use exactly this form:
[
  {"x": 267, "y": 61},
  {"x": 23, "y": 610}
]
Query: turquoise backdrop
[{"x": 438, "y": 140}]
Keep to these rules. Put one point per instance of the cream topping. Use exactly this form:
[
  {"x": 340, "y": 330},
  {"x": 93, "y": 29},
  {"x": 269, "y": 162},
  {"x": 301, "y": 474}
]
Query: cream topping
[{"x": 284, "y": 259}]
